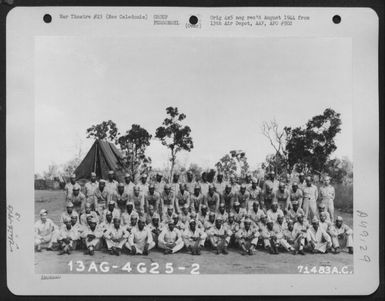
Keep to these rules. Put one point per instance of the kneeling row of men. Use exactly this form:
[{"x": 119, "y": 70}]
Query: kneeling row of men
[{"x": 140, "y": 235}]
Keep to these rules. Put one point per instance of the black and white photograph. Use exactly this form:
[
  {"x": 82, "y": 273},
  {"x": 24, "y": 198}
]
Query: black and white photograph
[
  {"x": 235, "y": 160},
  {"x": 222, "y": 145}
]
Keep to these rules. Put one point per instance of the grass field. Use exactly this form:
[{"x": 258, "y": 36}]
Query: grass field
[{"x": 48, "y": 262}]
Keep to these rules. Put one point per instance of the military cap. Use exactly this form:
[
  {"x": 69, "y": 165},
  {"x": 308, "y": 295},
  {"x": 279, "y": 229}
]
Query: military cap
[
  {"x": 274, "y": 202},
  {"x": 193, "y": 214},
  {"x": 222, "y": 205},
  {"x": 174, "y": 215},
  {"x": 73, "y": 176},
  {"x": 321, "y": 206},
  {"x": 73, "y": 216},
  {"x": 192, "y": 221},
  {"x": 247, "y": 221},
  {"x": 254, "y": 180},
  {"x": 219, "y": 173},
  {"x": 76, "y": 187},
  {"x": 170, "y": 221},
  {"x": 167, "y": 186},
  {"x": 203, "y": 206},
  {"x": 299, "y": 215},
  {"x": 70, "y": 205},
  {"x": 326, "y": 178},
  {"x": 197, "y": 186},
  {"x": 159, "y": 174},
  {"x": 66, "y": 219},
  {"x": 43, "y": 212},
  {"x": 236, "y": 203},
  {"x": 109, "y": 213},
  {"x": 93, "y": 220},
  {"x": 143, "y": 176},
  {"x": 227, "y": 186},
  {"x": 263, "y": 215},
  {"x": 127, "y": 175},
  {"x": 111, "y": 202},
  {"x": 243, "y": 186},
  {"x": 185, "y": 206},
  {"x": 120, "y": 184},
  {"x": 156, "y": 216},
  {"x": 295, "y": 184},
  {"x": 231, "y": 214},
  {"x": 295, "y": 202},
  {"x": 170, "y": 207},
  {"x": 219, "y": 218},
  {"x": 269, "y": 221},
  {"x": 102, "y": 181},
  {"x": 290, "y": 221},
  {"x": 111, "y": 172},
  {"x": 151, "y": 207},
  {"x": 142, "y": 219},
  {"x": 212, "y": 213},
  {"x": 301, "y": 174},
  {"x": 280, "y": 214},
  {"x": 116, "y": 218},
  {"x": 93, "y": 174},
  {"x": 271, "y": 172},
  {"x": 323, "y": 213},
  {"x": 134, "y": 215},
  {"x": 189, "y": 172},
  {"x": 151, "y": 186},
  {"x": 136, "y": 187},
  {"x": 211, "y": 186},
  {"x": 281, "y": 184},
  {"x": 339, "y": 218},
  {"x": 129, "y": 203}
]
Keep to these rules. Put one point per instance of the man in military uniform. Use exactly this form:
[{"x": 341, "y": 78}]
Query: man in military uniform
[
  {"x": 126, "y": 215},
  {"x": 274, "y": 211},
  {"x": 318, "y": 240},
  {"x": 133, "y": 222},
  {"x": 310, "y": 197},
  {"x": 268, "y": 197},
  {"x": 210, "y": 222},
  {"x": 170, "y": 239},
  {"x": 229, "y": 197},
  {"x": 341, "y": 235},
  {"x": 247, "y": 238},
  {"x": 184, "y": 215},
  {"x": 270, "y": 236},
  {"x": 155, "y": 227},
  {"x": 45, "y": 232},
  {"x": 301, "y": 181},
  {"x": 204, "y": 184},
  {"x": 295, "y": 210},
  {"x": 182, "y": 198},
  {"x": 107, "y": 223},
  {"x": 115, "y": 237},
  {"x": 167, "y": 198},
  {"x": 282, "y": 196},
  {"x": 222, "y": 212},
  {"x": 219, "y": 237},
  {"x": 233, "y": 184},
  {"x": 255, "y": 193},
  {"x": 300, "y": 233},
  {"x": 69, "y": 186},
  {"x": 67, "y": 236},
  {"x": 101, "y": 197},
  {"x": 143, "y": 185},
  {"x": 159, "y": 184},
  {"x": 175, "y": 183},
  {"x": 243, "y": 197},
  {"x": 255, "y": 212},
  {"x": 149, "y": 214},
  {"x": 152, "y": 198},
  {"x": 203, "y": 214},
  {"x": 295, "y": 194},
  {"x": 68, "y": 213},
  {"x": 77, "y": 198},
  {"x": 220, "y": 185},
  {"x": 328, "y": 194},
  {"x": 110, "y": 208},
  {"x": 271, "y": 182},
  {"x": 120, "y": 197},
  {"x": 239, "y": 213},
  {"x": 90, "y": 187},
  {"x": 178, "y": 223},
  {"x": 140, "y": 240},
  {"x": 128, "y": 184},
  {"x": 196, "y": 199},
  {"x": 92, "y": 236},
  {"x": 233, "y": 228},
  {"x": 190, "y": 183},
  {"x": 137, "y": 198},
  {"x": 212, "y": 199},
  {"x": 111, "y": 183},
  {"x": 88, "y": 212},
  {"x": 194, "y": 238},
  {"x": 322, "y": 210}
]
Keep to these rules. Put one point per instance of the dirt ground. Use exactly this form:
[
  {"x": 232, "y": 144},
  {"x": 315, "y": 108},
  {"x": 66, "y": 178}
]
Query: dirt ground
[{"x": 49, "y": 262}]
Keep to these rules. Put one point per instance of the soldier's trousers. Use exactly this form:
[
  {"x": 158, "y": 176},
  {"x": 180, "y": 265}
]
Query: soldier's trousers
[
  {"x": 345, "y": 242},
  {"x": 96, "y": 243},
  {"x": 310, "y": 208},
  {"x": 217, "y": 241},
  {"x": 118, "y": 244},
  {"x": 139, "y": 247},
  {"x": 194, "y": 244},
  {"x": 329, "y": 207},
  {"x": 320, "y": 246},
  {"x": 175, "y": 249}
]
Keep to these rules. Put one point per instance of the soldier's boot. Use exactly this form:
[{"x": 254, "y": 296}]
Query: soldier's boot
[
  {"x": 300, "y": 251},
  {"x": 133, "y": 250},
  {"x": 110, "y": 251},
  {"x": 198, "y": 251},
  {"x": 91, "y": 251},
  {"x": 252, "y": 250},
  {"x": 117, "y": 251},
  {"x": 218, "y": 251},
  {"x": 224, "y": 250},
  {"x": 350, "y": 250},
  {"x": 243, "y": 250}
]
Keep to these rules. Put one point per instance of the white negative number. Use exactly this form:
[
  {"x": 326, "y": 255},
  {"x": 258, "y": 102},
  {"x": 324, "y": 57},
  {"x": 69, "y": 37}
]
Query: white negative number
[
  {"x": 195, "y": 269},
  {"x": 169, "y": 268}
]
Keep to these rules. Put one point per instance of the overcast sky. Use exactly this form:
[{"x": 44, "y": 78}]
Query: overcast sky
[{"x": 226, "y": 87}]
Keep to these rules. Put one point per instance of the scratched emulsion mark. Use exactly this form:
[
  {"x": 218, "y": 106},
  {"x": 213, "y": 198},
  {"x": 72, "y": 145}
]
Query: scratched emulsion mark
[{"x": 13, "y": 218}]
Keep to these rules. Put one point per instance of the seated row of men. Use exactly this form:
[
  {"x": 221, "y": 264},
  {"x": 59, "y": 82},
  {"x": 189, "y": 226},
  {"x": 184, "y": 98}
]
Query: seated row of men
[{"x": 139, "y": 232}]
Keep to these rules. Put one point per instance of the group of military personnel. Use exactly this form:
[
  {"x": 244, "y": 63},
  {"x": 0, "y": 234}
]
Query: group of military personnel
[{"x": 135, "y": 218}]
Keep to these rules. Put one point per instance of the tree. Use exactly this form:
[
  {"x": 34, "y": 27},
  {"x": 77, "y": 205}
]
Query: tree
[
  {"x": 196, "y": 170},
  {"x": 234, "y": 163},
  {"x": 340, "y": 170},
  {"x": 106, "y": 130},
  {"x": 309, "y": 147},
  {"x": 134, "y": 145},
  {"x": 174, "y": 135}
]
